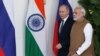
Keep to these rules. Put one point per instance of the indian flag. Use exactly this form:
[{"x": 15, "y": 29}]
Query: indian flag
[{"x": 35, "y": 30}]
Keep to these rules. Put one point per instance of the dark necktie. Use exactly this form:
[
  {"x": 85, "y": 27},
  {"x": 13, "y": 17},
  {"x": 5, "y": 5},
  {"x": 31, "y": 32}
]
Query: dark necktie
[{"x": 62, "y": 24}]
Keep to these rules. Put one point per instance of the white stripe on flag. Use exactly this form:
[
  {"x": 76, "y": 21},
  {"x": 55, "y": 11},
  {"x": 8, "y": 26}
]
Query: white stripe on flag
[{"x": 9, "y": 8}]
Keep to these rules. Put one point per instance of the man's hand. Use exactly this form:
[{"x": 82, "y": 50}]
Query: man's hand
[
  {"x": 59, "y": 46},
  {"x": 75, "y": 54}
]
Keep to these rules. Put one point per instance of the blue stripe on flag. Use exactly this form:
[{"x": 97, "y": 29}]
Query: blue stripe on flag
[{"x": 7, "y": 33}]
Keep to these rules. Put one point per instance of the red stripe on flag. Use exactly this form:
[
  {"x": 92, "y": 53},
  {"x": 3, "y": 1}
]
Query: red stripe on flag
[
  {"x": 1, "y": 52},
  {"x": 40, "y": 5},
  {"x": 55, "y": 40}
]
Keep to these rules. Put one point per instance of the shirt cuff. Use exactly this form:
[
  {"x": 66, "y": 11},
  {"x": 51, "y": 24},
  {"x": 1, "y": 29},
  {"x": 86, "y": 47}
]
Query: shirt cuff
[{"x": 78, "y": 52}]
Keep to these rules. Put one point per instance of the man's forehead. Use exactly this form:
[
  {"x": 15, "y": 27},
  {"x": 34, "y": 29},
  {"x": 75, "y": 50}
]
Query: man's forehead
[
  {"x": 62, "y": 7},
  {"x": 77, "y": 10}
]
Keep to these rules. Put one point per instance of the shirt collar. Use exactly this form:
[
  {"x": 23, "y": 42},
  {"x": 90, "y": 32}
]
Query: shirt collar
[{"x": 66, "y": 18}]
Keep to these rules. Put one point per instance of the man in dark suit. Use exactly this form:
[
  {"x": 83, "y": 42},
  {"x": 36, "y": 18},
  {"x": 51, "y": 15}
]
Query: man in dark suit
[{"x": 64, "y": 31}]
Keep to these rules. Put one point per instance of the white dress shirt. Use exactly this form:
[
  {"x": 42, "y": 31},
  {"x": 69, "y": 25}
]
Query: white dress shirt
[
  {"x": 64, "y": 22},
  {"x": 88, "y": 31}
]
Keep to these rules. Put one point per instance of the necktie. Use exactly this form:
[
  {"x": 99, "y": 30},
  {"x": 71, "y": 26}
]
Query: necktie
[{"x": 62, "y": 24}]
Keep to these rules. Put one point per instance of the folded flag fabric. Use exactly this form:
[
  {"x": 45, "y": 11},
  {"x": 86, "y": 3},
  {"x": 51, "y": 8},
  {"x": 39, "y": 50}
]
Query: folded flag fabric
[
  {"x": 7, "y": 30},
  {"x": 35, "y": 30}
]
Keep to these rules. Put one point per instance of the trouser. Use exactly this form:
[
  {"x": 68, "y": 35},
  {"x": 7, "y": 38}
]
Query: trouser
[{"x": 63, "y": 52}]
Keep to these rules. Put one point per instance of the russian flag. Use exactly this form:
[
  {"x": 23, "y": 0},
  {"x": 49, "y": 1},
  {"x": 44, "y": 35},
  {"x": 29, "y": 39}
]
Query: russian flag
[
  {"x": 58, "y": 19},
  {"x": 7, "y": 31}
]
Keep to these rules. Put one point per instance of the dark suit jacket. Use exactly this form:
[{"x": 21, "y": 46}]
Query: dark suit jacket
[{"x": 64, "y": 36}]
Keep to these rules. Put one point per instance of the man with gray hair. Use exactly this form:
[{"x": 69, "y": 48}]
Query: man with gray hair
[{"x": 81, "y": 43}]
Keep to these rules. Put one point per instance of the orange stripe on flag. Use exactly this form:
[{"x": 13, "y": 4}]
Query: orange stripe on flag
[
  {"x": 1, "y": 52},
  {"x": 40, "y": 5}
]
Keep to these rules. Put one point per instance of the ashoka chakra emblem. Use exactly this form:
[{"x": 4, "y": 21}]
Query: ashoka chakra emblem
[{"x": 36, "y": 22}]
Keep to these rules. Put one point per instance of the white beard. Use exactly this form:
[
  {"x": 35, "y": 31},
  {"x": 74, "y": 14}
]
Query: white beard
[{"x": 76, "y": 18}]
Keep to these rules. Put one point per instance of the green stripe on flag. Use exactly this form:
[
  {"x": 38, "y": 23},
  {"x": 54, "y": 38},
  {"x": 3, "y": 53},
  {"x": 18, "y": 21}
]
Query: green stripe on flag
[{"x": 31, "y": 46}]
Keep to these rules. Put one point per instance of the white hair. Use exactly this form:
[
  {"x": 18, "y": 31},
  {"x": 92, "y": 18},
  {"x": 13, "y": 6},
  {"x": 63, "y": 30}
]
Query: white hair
[{"x": 82, "y": 9}]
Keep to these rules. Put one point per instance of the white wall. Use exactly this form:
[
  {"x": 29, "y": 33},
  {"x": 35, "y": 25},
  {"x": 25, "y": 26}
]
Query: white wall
[{"x": 20, "y": 9}]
